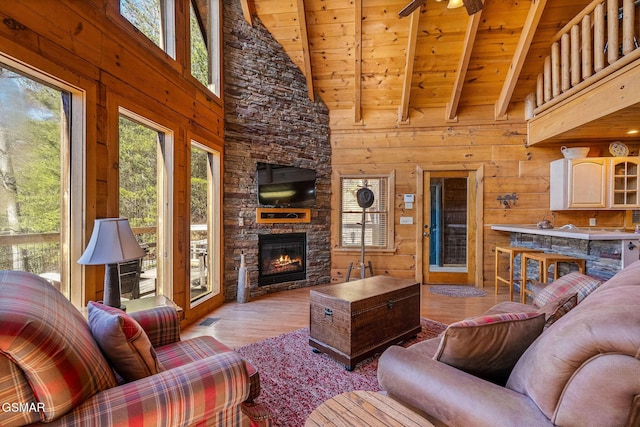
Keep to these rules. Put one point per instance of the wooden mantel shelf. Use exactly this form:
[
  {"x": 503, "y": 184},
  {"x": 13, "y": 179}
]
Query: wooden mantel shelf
[{"x": 283, "y": 215}]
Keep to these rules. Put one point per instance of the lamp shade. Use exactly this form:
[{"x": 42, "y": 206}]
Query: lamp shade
[
  {"x": 454, "y": 4},
  {"x": 112, "y": 241}
]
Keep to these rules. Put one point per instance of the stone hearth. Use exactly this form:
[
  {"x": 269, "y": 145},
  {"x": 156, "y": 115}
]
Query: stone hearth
[{"x": 269, "y": 118}]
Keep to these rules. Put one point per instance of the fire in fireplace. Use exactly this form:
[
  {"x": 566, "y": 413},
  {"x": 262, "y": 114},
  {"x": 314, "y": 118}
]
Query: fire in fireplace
[{"x": 281, "y": 258}]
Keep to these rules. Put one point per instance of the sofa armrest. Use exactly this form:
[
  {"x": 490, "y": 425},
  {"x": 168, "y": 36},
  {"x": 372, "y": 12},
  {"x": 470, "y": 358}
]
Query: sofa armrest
[
  {"x": 181, "y": 396},
  {"x": 161, "y": 324},
  {"x": 453, "y": 396}
]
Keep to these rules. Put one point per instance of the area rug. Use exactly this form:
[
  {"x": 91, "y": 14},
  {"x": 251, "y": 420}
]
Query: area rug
[
  {"x": 295, "y": 380},
  {"x": 457, "y": 291}
]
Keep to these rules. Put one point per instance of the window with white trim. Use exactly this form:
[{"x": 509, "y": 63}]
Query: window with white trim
[
  {"x": 205, "y": 223},
  {"x": 153, "y": 18},
  {"x": 41, "y": 176},
  {"x": 146, "y": 194},
  {"x": 205, "y": 43},
  {"x": 377, "y": 218}
]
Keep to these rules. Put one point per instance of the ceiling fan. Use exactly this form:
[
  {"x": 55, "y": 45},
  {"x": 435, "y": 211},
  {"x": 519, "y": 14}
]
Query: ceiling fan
[{"x": 472, "y": 6}]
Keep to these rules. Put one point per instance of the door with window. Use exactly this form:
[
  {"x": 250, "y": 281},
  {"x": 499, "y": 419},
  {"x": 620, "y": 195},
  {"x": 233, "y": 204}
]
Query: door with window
[
  {"x": 41, "y": 169},
  {"x": 145, "y": 170},
  {"x": 205, "y": 219},
  {"x": 449, "y": 227}
]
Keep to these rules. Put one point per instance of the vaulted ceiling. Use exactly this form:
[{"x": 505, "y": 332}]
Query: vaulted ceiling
[{"x": 364, "y": 61}]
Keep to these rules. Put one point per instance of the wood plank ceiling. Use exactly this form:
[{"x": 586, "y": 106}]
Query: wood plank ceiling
[{"x": 364, "y": 61}]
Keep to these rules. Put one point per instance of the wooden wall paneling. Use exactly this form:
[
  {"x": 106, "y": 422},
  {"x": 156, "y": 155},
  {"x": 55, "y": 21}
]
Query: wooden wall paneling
[
  {"x": 357, "y": 63},
  {"x": 91, "y": 46},
  {"x": 507, "y": 165}
]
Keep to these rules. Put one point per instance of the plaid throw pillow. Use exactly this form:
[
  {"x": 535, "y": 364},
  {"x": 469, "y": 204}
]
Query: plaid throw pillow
[
  {"x": 123, "y": 341},
  {"x": 557, "y": 308},
  {"x": 568, "y": 284}
]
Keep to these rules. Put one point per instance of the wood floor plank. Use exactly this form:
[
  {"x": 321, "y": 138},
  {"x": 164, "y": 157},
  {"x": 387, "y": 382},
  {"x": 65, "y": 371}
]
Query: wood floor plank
[{"x": 274, "y": 314}]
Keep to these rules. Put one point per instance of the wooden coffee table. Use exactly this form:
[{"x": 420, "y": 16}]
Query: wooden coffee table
[
  {"x": 354, "y": 320},
  {"x": 364, "y": 408}
]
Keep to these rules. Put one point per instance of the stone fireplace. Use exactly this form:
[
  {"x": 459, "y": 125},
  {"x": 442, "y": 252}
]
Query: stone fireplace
[
  {"x": 270, "y": 118},
  {"x": 281, "y": 258}
]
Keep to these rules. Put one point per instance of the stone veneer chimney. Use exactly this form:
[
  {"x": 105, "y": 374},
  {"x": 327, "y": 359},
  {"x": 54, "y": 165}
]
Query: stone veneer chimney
[{"x": 269, "y": 118}]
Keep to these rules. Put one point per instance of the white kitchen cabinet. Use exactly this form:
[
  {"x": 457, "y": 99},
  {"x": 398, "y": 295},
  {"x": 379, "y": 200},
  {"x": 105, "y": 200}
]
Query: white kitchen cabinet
[
  {"x": 579, "y": 183},
  {"x": 624, "y": 182}
]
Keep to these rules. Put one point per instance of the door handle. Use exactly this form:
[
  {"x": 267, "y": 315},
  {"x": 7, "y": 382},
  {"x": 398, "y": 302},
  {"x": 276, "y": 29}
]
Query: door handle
[{"x": 426, "y": 232}]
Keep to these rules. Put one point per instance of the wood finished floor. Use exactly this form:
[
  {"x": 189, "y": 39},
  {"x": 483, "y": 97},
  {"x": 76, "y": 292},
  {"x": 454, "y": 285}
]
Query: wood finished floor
[{"x": 274, "y": 314}]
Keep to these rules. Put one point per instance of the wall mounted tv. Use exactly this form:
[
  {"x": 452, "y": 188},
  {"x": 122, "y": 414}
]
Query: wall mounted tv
[{"x": 286, "y": 186}]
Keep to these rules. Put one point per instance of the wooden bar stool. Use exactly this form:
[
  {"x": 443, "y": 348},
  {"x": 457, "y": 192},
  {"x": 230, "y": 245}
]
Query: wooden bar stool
[
  {"x": 545, "y": 260},
  {"x": 512, "y": 252}
]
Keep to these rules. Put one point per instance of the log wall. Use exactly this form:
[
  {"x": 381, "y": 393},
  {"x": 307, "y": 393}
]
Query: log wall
[
  {"x": 510, "y": 166},
  {"x": 89, "y": 45}
]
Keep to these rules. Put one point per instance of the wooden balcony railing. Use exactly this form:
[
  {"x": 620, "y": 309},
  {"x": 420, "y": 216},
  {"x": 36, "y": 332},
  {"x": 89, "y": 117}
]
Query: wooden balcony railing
[{"x": 597, "y": 42}]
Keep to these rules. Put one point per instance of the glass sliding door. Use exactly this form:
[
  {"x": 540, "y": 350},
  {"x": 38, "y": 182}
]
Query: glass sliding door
[
  {"x": 36, "y": 176},
  {"x": 204, "y": 260},
  {"x": 143, "y": 199}
]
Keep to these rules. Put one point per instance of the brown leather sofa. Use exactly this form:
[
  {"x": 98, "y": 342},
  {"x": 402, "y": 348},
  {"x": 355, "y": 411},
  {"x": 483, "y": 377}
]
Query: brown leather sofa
[{"x": 584, "y": 370}]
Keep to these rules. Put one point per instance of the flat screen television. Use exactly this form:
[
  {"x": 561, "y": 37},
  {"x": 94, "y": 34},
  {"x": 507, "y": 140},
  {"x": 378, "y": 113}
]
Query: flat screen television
[{"x": 286, "y": 186}]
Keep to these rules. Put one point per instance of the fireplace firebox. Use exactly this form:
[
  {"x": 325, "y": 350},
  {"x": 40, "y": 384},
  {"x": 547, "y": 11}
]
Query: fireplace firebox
[{"x": 281, "y": 258}]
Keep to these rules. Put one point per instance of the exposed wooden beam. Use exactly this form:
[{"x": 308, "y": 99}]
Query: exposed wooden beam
[
  {"x": 403, "y": 110},
  {"x": 248, "y": 10},
  {"x": 463, "y": 65},
  {"x": 304, "y": 38},
  {"x": 357, "y": 78},
  {"x": 524, "y": 43}
]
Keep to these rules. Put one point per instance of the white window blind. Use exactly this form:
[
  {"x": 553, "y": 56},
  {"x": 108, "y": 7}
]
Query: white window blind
[{"x": 376, "y": 216}]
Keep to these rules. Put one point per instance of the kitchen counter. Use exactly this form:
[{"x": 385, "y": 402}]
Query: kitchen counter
[
  {"x": 606, "y": 250},
  {"x": 584, "y": 233}
]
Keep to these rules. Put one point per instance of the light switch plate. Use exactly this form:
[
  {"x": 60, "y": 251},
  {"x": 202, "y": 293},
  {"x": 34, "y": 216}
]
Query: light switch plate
[
  {"x": 406, "y": 220},
  {"x": 409, "y": 198}
]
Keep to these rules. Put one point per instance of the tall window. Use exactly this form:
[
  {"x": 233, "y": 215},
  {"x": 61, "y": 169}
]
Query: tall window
[
  {"x": 154, "y": 19},
  {"x": 36, "y": 176},
  {"x": 205, "y": 43},
  {"x": 144, "y": 171},
  {"x": 376, "y": 217},
  {"x": 205, "y": 223},
  {"x": 199, "y": 54}
]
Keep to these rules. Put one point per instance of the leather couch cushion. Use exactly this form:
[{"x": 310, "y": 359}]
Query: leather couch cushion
[
  {"x": 489, "y": 346},
  {"x": 586, "y": 365},
  {"x": 568, "y": 284},
  {"x": 123, "y": 341}
]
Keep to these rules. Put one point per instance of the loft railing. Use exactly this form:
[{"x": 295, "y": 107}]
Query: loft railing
[{"x": 589, "y": 48}]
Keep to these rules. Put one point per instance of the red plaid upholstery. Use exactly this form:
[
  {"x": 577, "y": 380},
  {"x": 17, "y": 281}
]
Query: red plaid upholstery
[
  {"x": 197, "y": 348},
  {"x": 48, "y": 356},
  {"x": 50, "y": 342},
  {"x": 161, "y": 325},
  {"x": 210, "y": 389}
]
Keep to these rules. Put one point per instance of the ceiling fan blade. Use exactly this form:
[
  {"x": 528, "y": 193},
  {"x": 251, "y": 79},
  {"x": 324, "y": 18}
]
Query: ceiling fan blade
[
  {"x": 413, "y": 5},
  {"x": 473, "y": 6}
]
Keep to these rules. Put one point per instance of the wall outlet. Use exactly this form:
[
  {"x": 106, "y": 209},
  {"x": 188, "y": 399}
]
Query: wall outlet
[{"x": 592, "y": 222}]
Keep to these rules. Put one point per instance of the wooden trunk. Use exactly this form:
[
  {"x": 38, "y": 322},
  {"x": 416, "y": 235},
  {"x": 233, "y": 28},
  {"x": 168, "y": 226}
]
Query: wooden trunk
[{"x": 354, "y": 320}]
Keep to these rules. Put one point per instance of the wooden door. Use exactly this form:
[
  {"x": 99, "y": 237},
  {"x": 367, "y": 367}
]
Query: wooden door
[{"x": 449, "y": 227}]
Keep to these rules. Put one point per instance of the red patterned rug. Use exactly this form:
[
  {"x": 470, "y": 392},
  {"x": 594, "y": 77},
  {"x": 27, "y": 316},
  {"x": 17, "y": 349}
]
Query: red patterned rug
[{"x": 294, "y": 380}]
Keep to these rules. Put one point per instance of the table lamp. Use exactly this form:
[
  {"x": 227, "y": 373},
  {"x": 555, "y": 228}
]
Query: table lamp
[{"x": 112, "y": 242}]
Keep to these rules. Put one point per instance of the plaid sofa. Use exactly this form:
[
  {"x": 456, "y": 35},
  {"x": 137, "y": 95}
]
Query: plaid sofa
[{"x": 52, "y": 370}]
